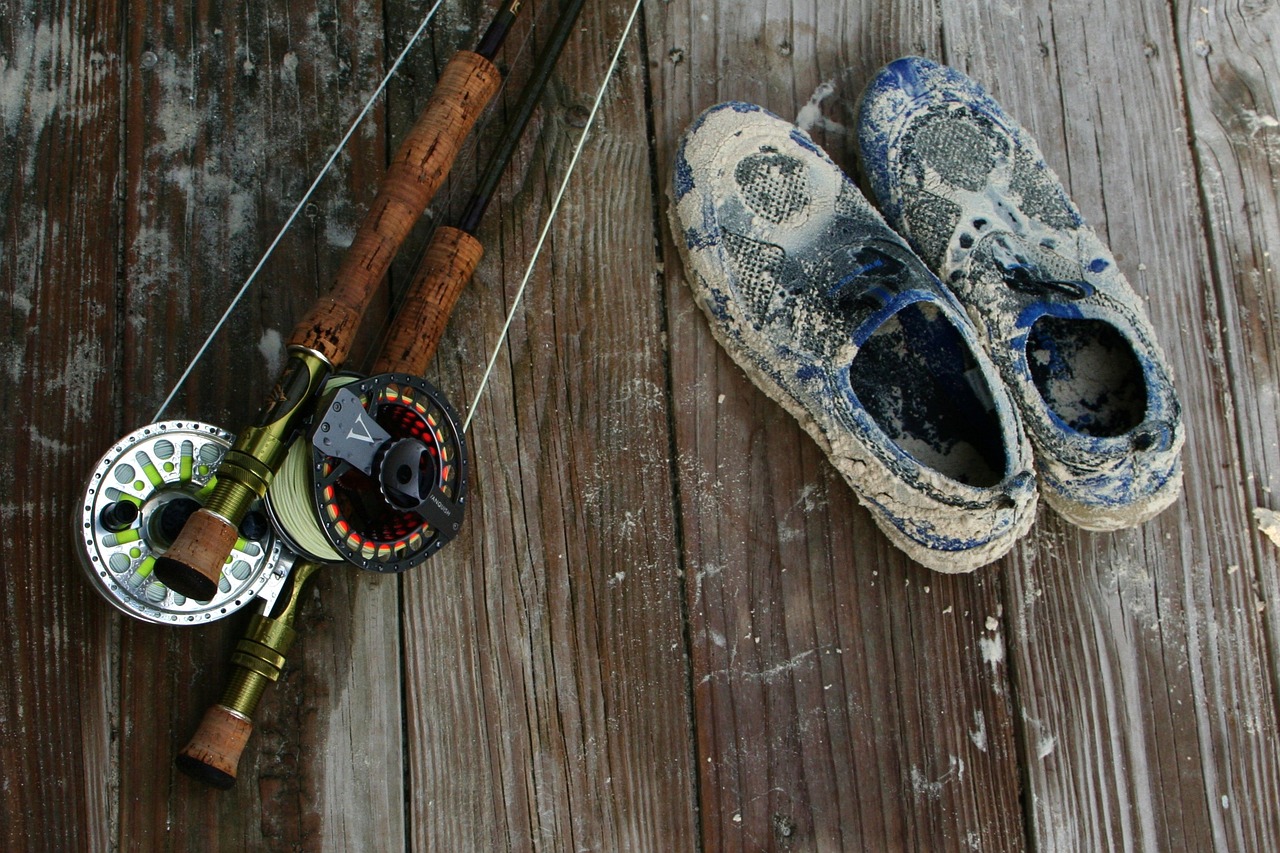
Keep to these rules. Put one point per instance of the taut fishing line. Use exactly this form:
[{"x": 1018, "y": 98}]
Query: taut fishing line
[
  {"x": 551, "y": 216},
  {"x": 306, "y": 197}
]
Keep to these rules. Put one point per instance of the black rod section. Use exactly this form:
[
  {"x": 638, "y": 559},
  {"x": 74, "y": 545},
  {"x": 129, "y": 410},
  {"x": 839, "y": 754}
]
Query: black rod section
[
  {"x": 498, "y": 29},
  {"x": 529, "y": 98}
]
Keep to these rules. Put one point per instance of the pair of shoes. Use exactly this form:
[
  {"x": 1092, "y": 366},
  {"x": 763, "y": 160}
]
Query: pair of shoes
[
  {"x": 833, "y": 315},
  {"x": 941, "y": 405}
]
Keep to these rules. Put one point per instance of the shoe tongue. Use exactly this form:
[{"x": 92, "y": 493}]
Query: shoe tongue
[
  {"x": 870, "y": 280},
  {"x": 1031, "y": 269}
]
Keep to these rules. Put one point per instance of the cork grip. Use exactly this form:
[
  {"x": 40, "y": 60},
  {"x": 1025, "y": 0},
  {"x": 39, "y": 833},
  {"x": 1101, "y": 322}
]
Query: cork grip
[
  {"x": 468, "y": 83},
  {"x": 443, "y": 273},
  {"x": 186, "y": 568},
  {"x": 214, "y": 752}
]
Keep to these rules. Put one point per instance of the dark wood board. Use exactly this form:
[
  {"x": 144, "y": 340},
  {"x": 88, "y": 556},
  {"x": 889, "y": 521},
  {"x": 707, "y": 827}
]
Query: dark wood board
[{"x": 667, "y": 624}]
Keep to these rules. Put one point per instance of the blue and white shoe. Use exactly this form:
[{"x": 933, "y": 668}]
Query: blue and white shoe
[
  {"x": 970, "y": 190},
  {"x": 832, "y": 315}
]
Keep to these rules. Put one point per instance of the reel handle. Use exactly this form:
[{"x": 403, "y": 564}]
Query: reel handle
[
  {"x": 447, "y": 266},
  {"x": 213, "y": 754},
  {"x": 319, "y": 344},
  {"x": 465, "y": 87}
]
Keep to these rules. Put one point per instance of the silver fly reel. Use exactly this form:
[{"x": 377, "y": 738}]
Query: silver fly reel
[{"x": 137, "y": 499}]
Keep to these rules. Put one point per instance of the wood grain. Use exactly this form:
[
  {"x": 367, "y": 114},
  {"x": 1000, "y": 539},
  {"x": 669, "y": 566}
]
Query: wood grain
[
  {"x": 845, "y": 699},
  {"x": 58, "y": 724},
  {"x": 667, "y": 624},
  {"x": 1232, "y": 85}
]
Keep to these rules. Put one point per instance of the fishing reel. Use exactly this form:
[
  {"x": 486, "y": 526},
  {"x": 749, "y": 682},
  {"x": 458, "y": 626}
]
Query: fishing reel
[
  {"x": 138, "y": 497},
  {"x": 380, "y": 480},
  {"x": 382, "y": 477}
]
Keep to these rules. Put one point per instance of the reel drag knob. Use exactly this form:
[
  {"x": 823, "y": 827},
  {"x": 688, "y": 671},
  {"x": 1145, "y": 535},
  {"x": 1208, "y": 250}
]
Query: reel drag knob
[{"x": 408, "y": 476}]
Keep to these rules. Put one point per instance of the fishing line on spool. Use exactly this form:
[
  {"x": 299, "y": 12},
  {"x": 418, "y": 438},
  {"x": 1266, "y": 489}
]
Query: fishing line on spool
[
  {"x": 401, "y": 502},
  {"x": 289, "y": 500}
]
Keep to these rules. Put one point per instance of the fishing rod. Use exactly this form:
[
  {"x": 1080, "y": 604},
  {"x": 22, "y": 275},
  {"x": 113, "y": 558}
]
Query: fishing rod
[
  {"x": 193, "y": 565},
  {"x": 150, "y": 482},
  {"x": 392, "y": 496}
]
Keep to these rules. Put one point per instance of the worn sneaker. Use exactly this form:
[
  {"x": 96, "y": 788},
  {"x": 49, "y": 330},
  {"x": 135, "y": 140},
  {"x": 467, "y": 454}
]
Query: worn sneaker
[
  {"x": 831, "y": 314},
  {"x": 969, "y": 188}
]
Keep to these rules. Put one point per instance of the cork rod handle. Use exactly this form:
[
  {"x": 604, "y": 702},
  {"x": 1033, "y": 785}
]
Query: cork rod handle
[
  {"x": 444, "y": 271},
  {"x": 468, "y": 83}
]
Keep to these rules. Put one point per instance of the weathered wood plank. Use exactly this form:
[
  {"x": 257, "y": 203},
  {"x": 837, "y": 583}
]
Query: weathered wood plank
[
  {"x": 1232, "y": 84},
  {"x": 230, "y": 114},
  {"x": 60, "y": 74},
  {"x": 545, "y": 667},
  {"x": 1141, "y": 665},
  {"x": 1231, "y": 78},
  {"x": 845, "y": 698}
]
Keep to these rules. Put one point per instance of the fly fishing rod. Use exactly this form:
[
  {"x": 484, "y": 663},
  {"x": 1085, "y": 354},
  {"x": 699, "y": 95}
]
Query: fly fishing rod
[
  {"x": 382, "y": 482},
  {"x": 150, "y": 482},
  {"x": 193, "y": 564}
]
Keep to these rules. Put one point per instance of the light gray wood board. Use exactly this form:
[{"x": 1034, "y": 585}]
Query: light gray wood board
[{"x": 1144, "y": 696}]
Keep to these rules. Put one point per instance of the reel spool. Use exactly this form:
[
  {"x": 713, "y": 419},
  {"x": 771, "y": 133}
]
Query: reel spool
[
  {"x": 382, "y": 481},
  {"x": 137, "y": 498}
]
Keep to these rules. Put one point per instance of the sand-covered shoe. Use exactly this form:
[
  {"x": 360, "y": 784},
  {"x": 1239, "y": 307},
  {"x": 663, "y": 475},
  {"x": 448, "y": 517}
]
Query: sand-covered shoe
[
  {"x": 831, "y": 314},
  {"x": 969, "y": 188}
]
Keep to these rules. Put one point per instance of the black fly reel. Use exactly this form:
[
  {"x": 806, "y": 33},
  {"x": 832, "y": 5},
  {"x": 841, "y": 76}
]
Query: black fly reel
[{"x": 388, "y": 471}]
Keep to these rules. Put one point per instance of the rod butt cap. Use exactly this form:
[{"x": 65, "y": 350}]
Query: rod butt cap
[
  {"x": 193, "y": 564},
  {"x": 214, "y": 751}
]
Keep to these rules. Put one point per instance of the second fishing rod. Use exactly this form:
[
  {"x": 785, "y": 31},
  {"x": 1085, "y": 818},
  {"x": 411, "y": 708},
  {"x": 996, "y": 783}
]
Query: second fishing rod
[{"x": 381, "y": 480}]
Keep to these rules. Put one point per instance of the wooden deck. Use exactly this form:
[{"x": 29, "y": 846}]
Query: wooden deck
[{"x": 667, "y": 624}]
